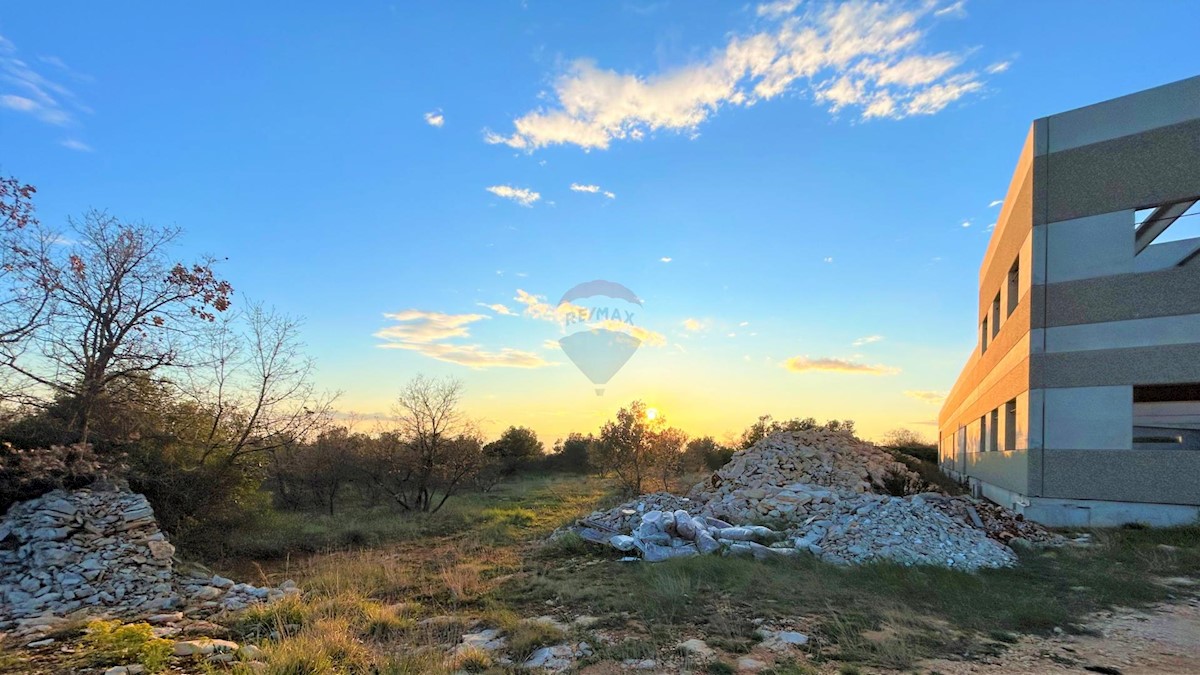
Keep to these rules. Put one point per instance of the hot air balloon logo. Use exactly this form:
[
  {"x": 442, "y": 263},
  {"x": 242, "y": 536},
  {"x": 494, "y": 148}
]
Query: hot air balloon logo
[{"x": 601, "y": 345}]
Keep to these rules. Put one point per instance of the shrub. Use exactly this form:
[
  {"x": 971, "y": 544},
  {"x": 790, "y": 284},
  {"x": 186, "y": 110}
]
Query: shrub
[{"x": 114, "y": 643}]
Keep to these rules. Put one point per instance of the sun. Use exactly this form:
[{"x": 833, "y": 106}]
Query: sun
[{"x": 651, "y": 413}]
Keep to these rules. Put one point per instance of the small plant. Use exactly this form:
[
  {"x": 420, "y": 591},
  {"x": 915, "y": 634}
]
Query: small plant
[
  {"x": 259, "y": 621},
  {"x": 529, "y": 636},
  {"x": 386, "y": 623},
  {"x": 720, "y": 668},
  {"x": 114, "y": 643},
  {"x": 473, "y": 660}
]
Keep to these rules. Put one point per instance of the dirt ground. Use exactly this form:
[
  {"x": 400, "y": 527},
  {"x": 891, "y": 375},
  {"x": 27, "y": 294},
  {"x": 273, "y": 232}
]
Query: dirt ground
[{"x": 1164, "y": 639}]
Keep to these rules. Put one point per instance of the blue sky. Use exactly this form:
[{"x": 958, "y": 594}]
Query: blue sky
[{"x": 807, "y": 168}]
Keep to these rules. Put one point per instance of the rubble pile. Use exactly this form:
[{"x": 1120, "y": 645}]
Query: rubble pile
[
  {"x": 99, "y": 553},
  {"x": 788, "y": 474},
  {"x": 820, "y": 491},
  {"x": 999, "y": 523}
]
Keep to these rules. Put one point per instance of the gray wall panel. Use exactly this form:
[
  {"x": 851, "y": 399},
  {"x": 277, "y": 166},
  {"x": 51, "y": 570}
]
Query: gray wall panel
[
  {"x": 1141, "y": 111},
  {"x": 1009, "y": 470},
  {"x": 1168, "y": 292},
  {"x": 1156, "y": 476},
  {"x": 1155, "y": 167},
  {"x": 1167, "y": 364}
]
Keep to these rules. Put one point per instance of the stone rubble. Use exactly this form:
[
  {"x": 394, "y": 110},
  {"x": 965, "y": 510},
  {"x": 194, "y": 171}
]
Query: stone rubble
[
  {"x": 821, "y": 493},
  {"x": 98, "y": 553}
]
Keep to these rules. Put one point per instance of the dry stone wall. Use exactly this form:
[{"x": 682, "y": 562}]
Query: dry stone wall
[{"x": 98, "y": 552}]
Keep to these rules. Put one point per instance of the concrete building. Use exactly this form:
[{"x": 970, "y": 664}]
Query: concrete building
[{"x": 1080, "y": 404}]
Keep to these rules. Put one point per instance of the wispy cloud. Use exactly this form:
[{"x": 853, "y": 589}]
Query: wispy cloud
[
  {"x": 434, "y": 118},
  {"x": 827, "y": 259},
  {"x": 994, "y": 203},
  {"x": 502, "y": 310},
  {"x": 73, "y": 144},
  {"x": 694, "y": 325},
  {"x": 429, "y": 333},
  {"x": 863, "y": 56},
  {"x": 665, "y": 259},
  {"x": 966, "y": 223},
  {"x": 522, "y": 196},
  {"x": 24, "y": 89},
  {"x": 927, "y": 396},
  {"x": 801, "y": 364},
  {"x": 998, "y": 67},
  {"x": 777, "y": 9},
  {"x": 594, "y": 189},
  {"x": 869, "y": 339},
  {"x": 956, "y": 9}
]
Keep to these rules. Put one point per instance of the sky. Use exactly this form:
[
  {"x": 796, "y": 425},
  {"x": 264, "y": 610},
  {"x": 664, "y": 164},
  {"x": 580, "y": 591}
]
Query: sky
[{"x": 797, "y": 195}]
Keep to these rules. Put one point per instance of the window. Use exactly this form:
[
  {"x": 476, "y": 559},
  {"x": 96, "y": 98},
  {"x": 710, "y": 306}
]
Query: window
[
  {"x": 982, "y": 447},
  {"x": 1014, "y": 286},
  {"x": 983, "y": 336},
  {"x": 1010, "y": 425},
  {"x": 996, "y": 315},
  {"x": 993, "y": 429},
  {"x": 1166, "y": 223}
]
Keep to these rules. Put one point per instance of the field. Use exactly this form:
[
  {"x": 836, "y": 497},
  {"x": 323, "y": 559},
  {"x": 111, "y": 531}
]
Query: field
[{"x": 394, "y": 594}]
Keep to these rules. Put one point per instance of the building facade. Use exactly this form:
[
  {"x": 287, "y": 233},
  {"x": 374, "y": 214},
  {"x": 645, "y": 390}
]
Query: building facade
[{"x": 1080, "y": 404}]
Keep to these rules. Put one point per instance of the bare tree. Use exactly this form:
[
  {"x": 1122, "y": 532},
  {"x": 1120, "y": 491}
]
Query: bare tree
[
  {"x": 27, "y": 274},
  {"x": 434, "y": 449},
  {"x": 256, "y": 387},
  {"x": 121, "y": 309}
]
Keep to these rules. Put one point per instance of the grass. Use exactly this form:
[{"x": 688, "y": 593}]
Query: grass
[{"x": 483, "y": 562}]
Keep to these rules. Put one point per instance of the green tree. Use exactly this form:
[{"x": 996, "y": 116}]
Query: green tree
[{"x": 516, "y": 449}]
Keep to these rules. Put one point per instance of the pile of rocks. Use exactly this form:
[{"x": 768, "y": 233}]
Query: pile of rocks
[
  {"x": 99, "y": 553},
  {"x": 819, "y": 490},
  {"x": 782, "y": 474}
]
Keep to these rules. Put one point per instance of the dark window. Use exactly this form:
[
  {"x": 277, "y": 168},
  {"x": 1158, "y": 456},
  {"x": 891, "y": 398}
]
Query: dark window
[
  {"x": 1014, "y": 286},
  {"x": 1010, "y": 425}
]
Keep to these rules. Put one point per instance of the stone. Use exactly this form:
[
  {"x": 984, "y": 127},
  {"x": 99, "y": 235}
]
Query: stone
[
  {"x": 749, "y": 664},
  {"x": 117, "y": 670},
  {"x": 554, "y": 659},
  {"x": 250, "y": 653},
  {"x": 696, "y": 649},
  {"x": 40, "y": 643}
]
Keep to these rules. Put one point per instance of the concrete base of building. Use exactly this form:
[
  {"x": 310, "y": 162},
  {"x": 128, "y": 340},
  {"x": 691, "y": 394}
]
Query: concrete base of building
[{"x": 1087, "y": 512}]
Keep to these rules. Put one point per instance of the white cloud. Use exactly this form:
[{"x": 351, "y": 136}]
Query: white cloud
[
  {"x": 522, "y": 196},
  {"x": 777, "y": 9},
  {"x": 957, "y": 10},
  {"x": 998, "y": 67},
  {"x": 855, "y": 55},
  {"x": 966, "y": 223},
  {"x": 744, "y": 323},
  {"x": 74, "y": 144},
  {"x": 23, "y": 89},
  {"x": 828, "y": 259},
  {"x": 694, "y": 325},
  {"x": 665, "y": 259},
  {"x": 800, "y": 364},
  {"x": 927, "y": 396},
  {"x": 870, "y": 339},
  {"x": 498, "y": 308},
  {"x": 594, "y": 189},
  {"x": 428, "y": 333},
  {"x": 995, "y": 202},
  {"x": 435, "y": 118}
]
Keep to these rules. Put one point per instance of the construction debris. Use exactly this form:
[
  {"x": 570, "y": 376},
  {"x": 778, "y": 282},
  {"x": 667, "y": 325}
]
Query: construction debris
[{"x": 815, "y": 492}]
